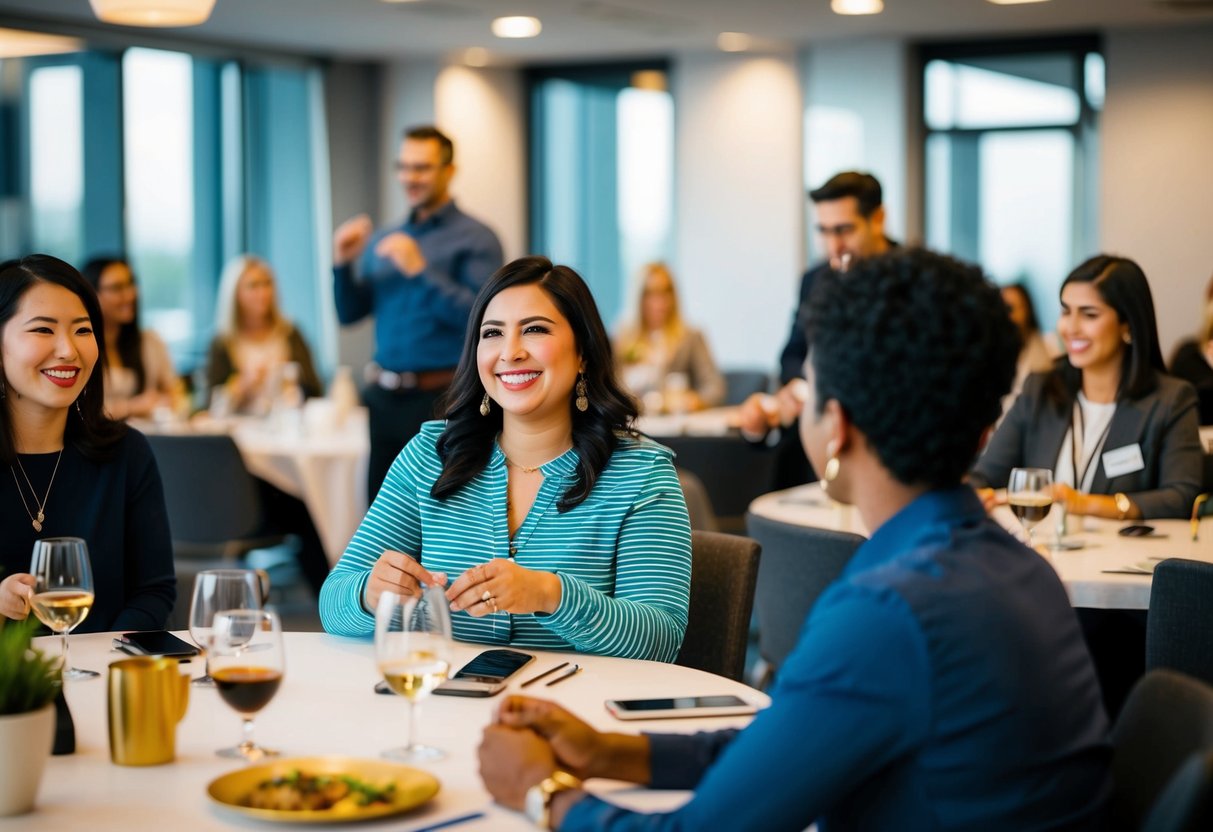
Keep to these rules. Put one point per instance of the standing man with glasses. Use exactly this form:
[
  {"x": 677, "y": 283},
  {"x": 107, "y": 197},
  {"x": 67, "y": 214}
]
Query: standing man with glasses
[
  {"x": 850, "y": 222},
  {"x": 418, "y": 278}
]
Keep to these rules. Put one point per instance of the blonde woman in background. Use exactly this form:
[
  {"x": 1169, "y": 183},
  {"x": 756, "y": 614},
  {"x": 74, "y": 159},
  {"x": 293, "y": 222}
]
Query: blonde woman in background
[
  {"x": 253, "y": 341},
  {"x": 659, "y": 344},
  {"x": 139, "y": 375}
]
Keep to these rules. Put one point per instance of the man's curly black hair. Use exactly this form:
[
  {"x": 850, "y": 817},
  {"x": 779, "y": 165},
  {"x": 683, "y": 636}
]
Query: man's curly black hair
[{"x": 918, "y": 349}]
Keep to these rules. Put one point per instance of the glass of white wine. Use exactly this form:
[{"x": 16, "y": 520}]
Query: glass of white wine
[
  {"x": 1030, "y": 495},
  {"x": 63, "y": 590},
  {"x": 413, "y": 650}
]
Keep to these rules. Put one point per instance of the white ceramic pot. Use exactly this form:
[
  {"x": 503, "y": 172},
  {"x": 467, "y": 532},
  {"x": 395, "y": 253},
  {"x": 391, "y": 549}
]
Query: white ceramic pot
[{"x": 27, "y": 740}]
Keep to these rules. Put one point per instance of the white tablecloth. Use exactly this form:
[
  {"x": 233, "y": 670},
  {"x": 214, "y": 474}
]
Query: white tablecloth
[
  {"x": 1081, "y": 570},
  {"x": 326, "y": 706}
]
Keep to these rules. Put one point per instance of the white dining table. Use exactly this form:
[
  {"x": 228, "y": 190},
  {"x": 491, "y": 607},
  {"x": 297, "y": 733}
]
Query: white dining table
[
  {"x": 326, "y": 705},
  {"x": 1084, "y": 571}
]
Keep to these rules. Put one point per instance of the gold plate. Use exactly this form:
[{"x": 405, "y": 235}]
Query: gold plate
[{"x": 413, "y": 788}]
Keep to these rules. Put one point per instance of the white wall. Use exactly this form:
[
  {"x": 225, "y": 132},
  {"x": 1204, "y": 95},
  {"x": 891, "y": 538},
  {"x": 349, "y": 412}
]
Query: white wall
[
  {"x": 857, "y": 119},
  {"x": 407, "y": 100},
  {"x": 484, "y": 113},
  {"x": 739, "y": 238},
  {"x": 1157, "y": 165}
]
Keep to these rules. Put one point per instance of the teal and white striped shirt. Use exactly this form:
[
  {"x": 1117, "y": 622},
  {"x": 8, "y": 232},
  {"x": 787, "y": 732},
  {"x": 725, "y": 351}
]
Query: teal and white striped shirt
[{"x": 623, "y": 555}]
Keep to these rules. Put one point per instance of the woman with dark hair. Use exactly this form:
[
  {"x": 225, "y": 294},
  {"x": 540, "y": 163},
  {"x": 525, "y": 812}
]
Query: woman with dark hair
[
  {"x": 1120, "y": 435},
  {"x": 139, "y": 375},
  {"x": 550, "y": 522},
  {"x": 1033, "y": 354},
  {"x": 72, "y": 471},
  {"x": 1193, "y": 360},
  {"x": 941, "y": 681}
]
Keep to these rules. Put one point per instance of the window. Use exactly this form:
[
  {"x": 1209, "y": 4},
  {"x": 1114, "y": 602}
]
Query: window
[
  {"x": 158, "y": 119},
  {"x": 602, "y": 149},
  {"x": 1010, "y": 158},
  {"x": 56, "y": 161}
]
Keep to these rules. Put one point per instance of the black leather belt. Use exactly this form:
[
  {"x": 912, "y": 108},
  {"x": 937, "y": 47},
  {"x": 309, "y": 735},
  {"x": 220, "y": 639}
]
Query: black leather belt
[{"x": 423, "y": 380}]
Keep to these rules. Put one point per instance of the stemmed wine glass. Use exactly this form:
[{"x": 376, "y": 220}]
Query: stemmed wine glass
[
  {"x": 247, "y": 663},
  {"x": 413, "y": 650},
  {"x": 1030, "y": 494},
  {"x": 223, "y": 589},
  {"x": 63, "y": 590}
]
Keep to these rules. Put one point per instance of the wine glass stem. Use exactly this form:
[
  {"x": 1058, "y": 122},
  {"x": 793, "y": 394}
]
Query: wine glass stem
[
  {"x": 247, "y": 744},
  {"x": 412, "y": 735},
  {"x": 67, "y": 665}
]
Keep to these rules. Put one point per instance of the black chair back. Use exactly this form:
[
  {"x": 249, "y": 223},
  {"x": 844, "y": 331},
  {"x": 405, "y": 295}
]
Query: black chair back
[
  {"x": 733, "y": 472},
  {"x": 210, "y": 495},
  {"x": 798, "y": 563},
  {"x": 724, "y": 568},
  {"x": 1167, "y": 718},
  {"x": 1186, "y": 805},
  {"x": 741, "y": 384},
  {"x": 1179, "y": 628}
]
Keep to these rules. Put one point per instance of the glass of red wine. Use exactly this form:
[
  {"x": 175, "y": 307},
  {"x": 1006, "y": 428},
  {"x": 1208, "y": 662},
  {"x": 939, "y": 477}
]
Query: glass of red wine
[
  {"x": 1030, "y": 495},
  {"x": 246, "y": 661}
]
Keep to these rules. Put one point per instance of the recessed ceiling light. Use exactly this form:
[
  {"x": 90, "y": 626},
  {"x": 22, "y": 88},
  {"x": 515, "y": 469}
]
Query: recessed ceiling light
[
  {"x": 17, "y": 43},
  {"x": 733, "y": 42},
  {"x": 153, "y": 12},
  {"x": 476, "y": 56},
  {"x": 857, "y": 6},
  {"x": 1014, "y": 2},
  {"x": 517, "y": 27}
]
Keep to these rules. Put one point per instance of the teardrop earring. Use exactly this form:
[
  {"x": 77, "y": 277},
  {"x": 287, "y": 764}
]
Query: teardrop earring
[
  {"x": 484, "y": 405},
  {"x": 833, "y": 466},
  {"x": 582, "y": 402}
]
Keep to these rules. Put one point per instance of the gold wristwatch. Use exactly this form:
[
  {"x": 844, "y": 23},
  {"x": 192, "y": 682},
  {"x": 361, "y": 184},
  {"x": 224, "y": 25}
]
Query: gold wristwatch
[
  {"x": 1123, "y": 504},
  {"x": 538, "y": 804}
]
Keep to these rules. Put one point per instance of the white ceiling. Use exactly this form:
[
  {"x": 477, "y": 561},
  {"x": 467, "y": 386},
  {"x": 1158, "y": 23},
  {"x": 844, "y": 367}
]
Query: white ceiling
[{"x": 579, "y": 30}]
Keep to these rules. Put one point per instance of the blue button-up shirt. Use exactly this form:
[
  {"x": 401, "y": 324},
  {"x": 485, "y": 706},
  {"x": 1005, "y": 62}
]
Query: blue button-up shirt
[
  {"x": 941, "y": 683},
  {"x": 420, "y": 321}
]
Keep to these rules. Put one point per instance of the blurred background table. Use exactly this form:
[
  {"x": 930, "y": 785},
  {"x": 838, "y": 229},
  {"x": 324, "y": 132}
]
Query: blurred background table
[
  {"x": 1081, "y": 570},
  {"x": 326, "y": 706}
]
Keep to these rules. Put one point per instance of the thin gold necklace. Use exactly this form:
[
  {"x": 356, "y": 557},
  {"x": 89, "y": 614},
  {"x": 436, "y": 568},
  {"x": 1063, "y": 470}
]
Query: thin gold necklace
[
  {"x": 37, "y": 521},
  {"x": 528, "y": 469}
]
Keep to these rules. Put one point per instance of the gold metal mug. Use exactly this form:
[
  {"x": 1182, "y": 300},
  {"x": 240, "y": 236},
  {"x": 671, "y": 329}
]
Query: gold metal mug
[{"x": 147, "y": 698}]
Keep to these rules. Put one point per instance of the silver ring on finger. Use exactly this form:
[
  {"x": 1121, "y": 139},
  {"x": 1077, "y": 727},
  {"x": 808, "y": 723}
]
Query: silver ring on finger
[{"x": 487, "y": 596}]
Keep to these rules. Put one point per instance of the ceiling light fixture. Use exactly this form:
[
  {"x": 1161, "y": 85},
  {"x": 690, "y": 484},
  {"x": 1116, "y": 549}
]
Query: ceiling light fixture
[
  {"x": 857, "y": 6},
  {"x": 153, "y": 12},
  {"x": 517, "y": 27},
  {"x": 1014, "y": 2},
  {"x": 17, "y": 43},
  {"x": 733, "y": 41}
]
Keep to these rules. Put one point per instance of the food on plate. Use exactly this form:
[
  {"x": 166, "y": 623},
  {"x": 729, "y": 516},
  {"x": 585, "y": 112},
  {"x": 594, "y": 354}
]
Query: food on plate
[{"x": 298, "y": 792}]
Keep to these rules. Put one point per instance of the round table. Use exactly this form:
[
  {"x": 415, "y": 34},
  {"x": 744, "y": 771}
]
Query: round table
[
  {"x": 326, "y": 706},
  {"x": 1085, "y": 571}
]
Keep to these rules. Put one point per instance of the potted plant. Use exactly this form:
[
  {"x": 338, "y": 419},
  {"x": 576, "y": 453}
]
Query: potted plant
[{"x": 29, "y": 681}]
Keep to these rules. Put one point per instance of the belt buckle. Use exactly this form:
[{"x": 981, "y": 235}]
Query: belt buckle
[{"x": 407, "y": 381}]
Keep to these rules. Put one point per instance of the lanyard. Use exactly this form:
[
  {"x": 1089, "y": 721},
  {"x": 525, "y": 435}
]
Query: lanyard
[{"x": 1078, "y": 429}]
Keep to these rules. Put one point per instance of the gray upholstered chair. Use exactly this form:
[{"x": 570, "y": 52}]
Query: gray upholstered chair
[
  {"x": 724, "y": 568},
  {"x": 1179, "y": 628},
  {"x": 699, "y": 505},
  {"x": 798, "y": 562},
  {"x": 1168, "y": 718}
]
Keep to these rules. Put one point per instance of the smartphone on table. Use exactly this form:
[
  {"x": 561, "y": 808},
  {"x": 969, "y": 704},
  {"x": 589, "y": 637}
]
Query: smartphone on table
[
  {"x": 680, "y": 707},
  {"x": 486, "y": 675},
  {"x": 154, "y": 643}
]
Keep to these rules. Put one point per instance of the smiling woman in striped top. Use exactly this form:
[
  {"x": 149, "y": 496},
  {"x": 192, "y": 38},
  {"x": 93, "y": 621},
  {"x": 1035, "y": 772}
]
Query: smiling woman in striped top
[{"x": 548, "y": 520}]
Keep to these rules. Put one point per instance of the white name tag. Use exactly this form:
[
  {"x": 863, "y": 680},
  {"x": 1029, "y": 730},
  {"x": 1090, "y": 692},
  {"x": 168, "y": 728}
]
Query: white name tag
[{"x": 1120, "y": 461}]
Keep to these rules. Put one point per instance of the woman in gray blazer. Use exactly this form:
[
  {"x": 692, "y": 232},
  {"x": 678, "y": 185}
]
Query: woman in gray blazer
[{"x": 1120, "y": 436}]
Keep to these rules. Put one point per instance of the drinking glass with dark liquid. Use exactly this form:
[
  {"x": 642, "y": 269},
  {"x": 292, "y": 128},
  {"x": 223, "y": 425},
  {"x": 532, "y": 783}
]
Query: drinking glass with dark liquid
[
  {"x": 247, "y": 662},
  {"x": 63, "y": 590},
  {"x": 1030, "y": 495}
]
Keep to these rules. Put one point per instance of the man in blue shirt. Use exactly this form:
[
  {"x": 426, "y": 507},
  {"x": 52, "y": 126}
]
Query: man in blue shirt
[
  {"x": 942, "y": 682},
  {"x": 418, "y": 279}
]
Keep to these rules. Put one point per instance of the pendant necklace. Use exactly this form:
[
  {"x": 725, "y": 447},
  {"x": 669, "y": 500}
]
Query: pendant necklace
[{"x": 35, "y": 521}]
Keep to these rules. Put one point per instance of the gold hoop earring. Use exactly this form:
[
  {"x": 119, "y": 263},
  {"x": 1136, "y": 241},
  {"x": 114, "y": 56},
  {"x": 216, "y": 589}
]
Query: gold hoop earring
[
  {"x": 582, "y": 403},
  {"x": 484, "y": 405}
]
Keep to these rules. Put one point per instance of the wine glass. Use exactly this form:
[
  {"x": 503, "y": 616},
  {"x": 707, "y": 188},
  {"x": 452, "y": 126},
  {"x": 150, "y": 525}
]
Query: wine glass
[
  {"x": 223, "y": 589},
  {"x": 413, "y": 650},
  {"x": 1030, "y": 494},
  {"x": 63, "y": 590},
  {"x": 247, "y": 663}
]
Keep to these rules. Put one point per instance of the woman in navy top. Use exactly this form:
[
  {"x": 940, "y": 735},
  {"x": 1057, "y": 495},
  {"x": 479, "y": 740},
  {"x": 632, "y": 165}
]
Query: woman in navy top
[{"x": 71, "y": 470}]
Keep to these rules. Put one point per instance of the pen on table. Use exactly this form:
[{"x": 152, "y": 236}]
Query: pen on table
[
  {"x": 547, "y": 672},
  {"x": 443, "y": 824},
  {"x": 576, "y": 669}
]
